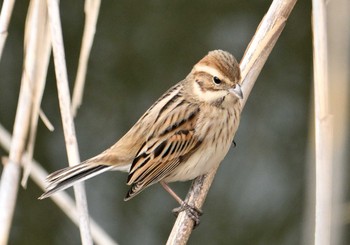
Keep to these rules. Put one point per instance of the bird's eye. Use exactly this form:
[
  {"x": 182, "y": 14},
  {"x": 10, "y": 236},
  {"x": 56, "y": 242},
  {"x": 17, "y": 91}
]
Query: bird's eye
[{"x": 216, "y": 80}]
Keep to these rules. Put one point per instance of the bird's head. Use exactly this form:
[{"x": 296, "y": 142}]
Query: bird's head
[{"x": 216, "y": 78}]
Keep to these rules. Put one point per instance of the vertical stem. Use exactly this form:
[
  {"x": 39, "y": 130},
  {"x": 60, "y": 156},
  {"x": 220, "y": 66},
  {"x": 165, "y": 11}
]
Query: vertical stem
[
  {"x": 92, "y": 8},
  {"x": 38, "y": 51},
  {"x": 8, "y": 196},
  {"x": 323, "y": 126},
  {"x": 67, "y": 119}
]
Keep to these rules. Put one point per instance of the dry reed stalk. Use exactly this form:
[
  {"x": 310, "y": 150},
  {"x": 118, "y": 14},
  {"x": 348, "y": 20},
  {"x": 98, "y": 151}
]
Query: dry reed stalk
[
  {"x": 37, "y": 37},
  {"x": 323, "y": 127},
  {"x": 92, "y": 8},
  {"x": 67, "y": 118},
  {"x": 252, "y": 62}
]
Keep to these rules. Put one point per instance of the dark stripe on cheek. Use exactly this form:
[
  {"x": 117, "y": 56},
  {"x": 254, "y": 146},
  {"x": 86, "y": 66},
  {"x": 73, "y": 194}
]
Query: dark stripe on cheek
[{"x": 201, "y": 85}]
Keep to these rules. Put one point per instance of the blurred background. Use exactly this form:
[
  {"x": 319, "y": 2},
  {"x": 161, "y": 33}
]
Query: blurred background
[{"x": 140, "y": 50}]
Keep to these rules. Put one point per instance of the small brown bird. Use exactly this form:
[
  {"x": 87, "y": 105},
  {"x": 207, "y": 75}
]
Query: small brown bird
[{"x": 184, "y": 134}]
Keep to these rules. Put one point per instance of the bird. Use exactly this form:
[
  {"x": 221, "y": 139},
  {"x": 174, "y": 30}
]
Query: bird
[{"x": 186, "y": 133}]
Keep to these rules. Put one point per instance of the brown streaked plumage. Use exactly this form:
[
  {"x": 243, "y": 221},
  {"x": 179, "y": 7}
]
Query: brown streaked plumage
[{"x": 184, "y": 134}]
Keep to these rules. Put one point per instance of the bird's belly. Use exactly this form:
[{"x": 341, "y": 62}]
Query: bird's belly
[{"x": 201, "y": 162}]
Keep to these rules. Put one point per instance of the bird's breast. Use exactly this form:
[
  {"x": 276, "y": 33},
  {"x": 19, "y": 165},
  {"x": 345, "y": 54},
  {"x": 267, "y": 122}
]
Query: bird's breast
[{"x": 216, "y": 129}]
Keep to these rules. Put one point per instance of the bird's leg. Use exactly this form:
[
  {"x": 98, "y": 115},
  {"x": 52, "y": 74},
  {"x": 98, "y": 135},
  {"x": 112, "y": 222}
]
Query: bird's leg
[{"x": 192, "y": 212}]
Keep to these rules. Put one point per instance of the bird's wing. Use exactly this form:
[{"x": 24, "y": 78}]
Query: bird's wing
[{"x": 170, "y": 142}]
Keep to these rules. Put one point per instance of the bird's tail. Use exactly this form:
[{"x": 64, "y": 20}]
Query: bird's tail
[{"x": 64, "y": 178}]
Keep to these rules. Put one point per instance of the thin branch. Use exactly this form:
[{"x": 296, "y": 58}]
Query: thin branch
[
  {"x": 5, "y": 16},
  {"x": 92, "y": 8},
  {"x": 46, "y": 121},
  {"x": 252, "y": 62},
  {"x": 323, "y": 126},
  {"x": 67, "y": 119}
]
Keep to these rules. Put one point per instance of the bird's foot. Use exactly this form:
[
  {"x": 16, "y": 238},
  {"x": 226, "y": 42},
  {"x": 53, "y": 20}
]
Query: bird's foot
[{"x": 193, "y": 212}]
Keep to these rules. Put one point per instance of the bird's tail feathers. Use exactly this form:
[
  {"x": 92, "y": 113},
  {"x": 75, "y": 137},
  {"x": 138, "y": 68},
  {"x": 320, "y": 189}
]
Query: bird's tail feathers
[{"x": 64, "y": 178}]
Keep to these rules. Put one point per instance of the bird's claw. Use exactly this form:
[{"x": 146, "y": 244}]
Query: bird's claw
[{"x": 193, "y": 212}]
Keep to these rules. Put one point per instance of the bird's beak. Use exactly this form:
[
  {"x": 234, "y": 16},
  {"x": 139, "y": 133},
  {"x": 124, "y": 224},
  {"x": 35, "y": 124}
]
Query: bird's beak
[{"x": 237, "y": 91}]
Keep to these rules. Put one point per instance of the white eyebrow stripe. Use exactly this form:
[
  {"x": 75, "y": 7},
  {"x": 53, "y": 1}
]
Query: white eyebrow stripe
[{"x": 210, "y": 70}]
